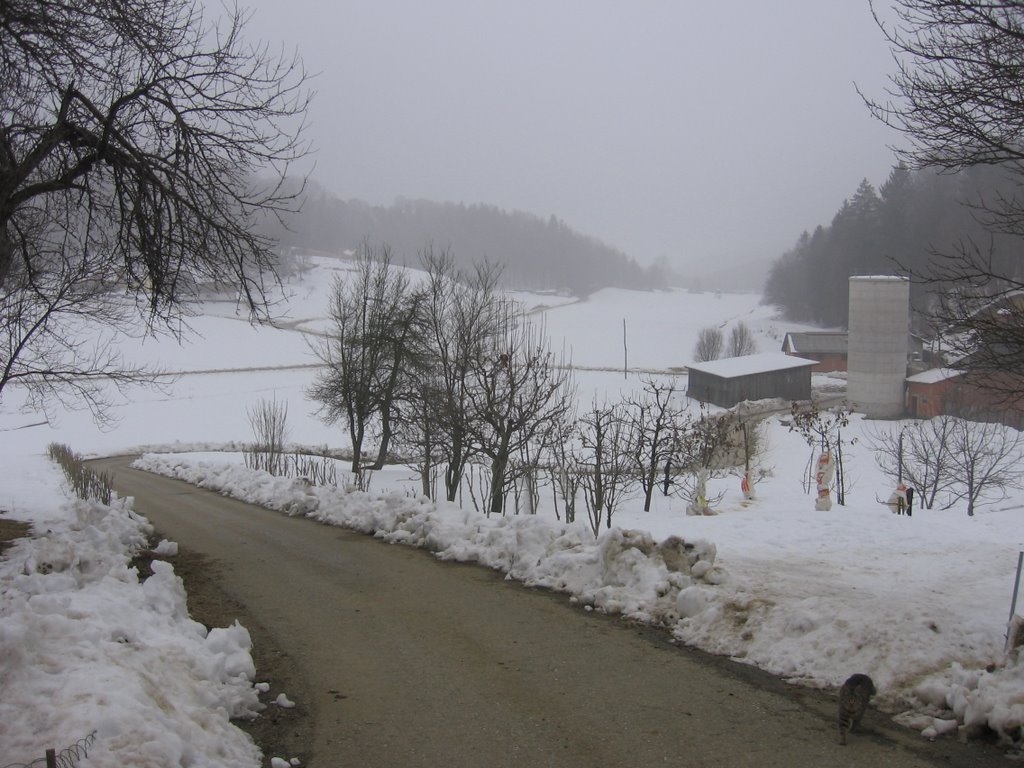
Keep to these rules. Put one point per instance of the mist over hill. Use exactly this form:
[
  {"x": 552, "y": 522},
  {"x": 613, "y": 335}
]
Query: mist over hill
[
  {"x": 736, "y": 276},
  {"x": 535, "y": 253}
]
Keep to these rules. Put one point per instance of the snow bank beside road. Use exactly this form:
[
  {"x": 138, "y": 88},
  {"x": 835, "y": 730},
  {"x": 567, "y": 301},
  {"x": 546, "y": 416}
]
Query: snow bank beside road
[
  {"x": 85, "y": 646},
  {"x": 623, "y": 572}
]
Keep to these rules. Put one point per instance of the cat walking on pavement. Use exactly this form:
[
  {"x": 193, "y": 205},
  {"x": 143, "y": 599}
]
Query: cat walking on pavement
[{"x": 853, "y": 702}]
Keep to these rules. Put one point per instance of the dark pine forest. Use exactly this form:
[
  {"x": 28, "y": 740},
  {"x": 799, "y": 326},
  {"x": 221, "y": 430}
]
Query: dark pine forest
[
  {"x": 915, "y": 220},
  {"x": 534, "y": 252}
]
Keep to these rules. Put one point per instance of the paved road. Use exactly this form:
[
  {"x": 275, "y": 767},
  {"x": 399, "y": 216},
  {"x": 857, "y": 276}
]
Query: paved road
[{"x": 408, "y": 661}]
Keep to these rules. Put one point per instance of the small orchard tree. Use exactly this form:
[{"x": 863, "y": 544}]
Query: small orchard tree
[
  {"x": 823, "y": 432},
  {"x": 752, "y": 443},
  {"x": 986, "y": 460},
  {"x": 920, "y": 455},
  {"x": 604, "y": 461},
  {"x": 701, "y": 449},
  {"x": 566, "y": 475},
  {"x": 654, "y": 420},
  {"x": 518, "y": 388}
]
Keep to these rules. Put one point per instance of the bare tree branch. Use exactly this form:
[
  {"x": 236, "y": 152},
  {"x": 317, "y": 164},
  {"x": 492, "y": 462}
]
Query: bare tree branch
[
  {"x": 957, "y": 97},
  {"x": 133, "y": 134}
]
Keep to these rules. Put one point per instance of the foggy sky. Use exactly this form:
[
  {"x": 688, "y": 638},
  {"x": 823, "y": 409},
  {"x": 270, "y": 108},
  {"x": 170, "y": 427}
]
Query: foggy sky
[{"x": 704, "y": 132}]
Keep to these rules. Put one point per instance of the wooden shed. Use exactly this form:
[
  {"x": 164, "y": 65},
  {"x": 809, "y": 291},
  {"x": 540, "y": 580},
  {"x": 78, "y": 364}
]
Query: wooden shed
[
  {"x": 751, "y": 377},
  {"x": 828, "y": 348}
]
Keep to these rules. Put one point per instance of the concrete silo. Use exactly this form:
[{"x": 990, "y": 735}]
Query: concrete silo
[{"x": 877, "y": 356}]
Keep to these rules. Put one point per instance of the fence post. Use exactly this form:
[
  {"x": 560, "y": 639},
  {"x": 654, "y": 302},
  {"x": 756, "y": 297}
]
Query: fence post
[
  {"x": 1013, "y": 600},
  {"x": 51, "y": 758}
]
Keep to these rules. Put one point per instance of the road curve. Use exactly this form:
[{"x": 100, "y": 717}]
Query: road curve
[{"x": 411, "y": 662}]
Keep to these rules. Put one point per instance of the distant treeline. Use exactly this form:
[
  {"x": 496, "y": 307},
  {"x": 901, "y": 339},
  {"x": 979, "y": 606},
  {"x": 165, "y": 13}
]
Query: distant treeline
[
  {"x": 912, "y": 219},
  {"x": 535, "y": 253}
]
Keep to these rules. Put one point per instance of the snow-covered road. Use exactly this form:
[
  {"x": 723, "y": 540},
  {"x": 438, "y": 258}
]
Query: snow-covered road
[{"x": 415, "y": 662}]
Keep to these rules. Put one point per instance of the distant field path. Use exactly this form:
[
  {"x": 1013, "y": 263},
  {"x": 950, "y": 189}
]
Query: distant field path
[{"x": 408, "y": 661}]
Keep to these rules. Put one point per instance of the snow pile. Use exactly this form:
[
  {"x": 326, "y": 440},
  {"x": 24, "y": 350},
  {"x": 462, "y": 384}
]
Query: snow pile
[
  {"x": 979, "y": 699},
  {"x": 85, "y": 646},
  {"x": 623, "y": 572}
]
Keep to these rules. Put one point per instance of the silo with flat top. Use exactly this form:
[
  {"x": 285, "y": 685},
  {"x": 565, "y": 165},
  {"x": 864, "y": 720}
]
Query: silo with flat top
[{"x": 877, "y": 350}]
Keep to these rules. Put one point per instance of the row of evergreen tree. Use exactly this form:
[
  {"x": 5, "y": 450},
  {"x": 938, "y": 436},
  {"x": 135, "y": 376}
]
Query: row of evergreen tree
[
  {"x": 533, "y": 252},
  {"x": 914, "y": 220}
]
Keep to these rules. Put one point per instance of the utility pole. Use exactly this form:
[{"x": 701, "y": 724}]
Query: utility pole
[{"x": 625, "y": 352}]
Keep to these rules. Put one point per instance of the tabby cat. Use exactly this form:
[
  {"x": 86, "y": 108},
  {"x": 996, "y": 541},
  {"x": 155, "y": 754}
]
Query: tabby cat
[{"x": 853, "y": 701}]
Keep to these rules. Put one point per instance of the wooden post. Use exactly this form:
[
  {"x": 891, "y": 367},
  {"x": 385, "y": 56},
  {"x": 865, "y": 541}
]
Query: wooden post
[
  {"x": 51, "y": 758},
  {"x": 1013, "y": 600},
  {"x": 625, "y": 352}
]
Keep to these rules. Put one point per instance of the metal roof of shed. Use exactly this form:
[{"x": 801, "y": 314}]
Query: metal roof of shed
[
  {"x": 749, "y": 365},
  {"x": 823, "y": 342},
  {"x": 934, "y": 375}
]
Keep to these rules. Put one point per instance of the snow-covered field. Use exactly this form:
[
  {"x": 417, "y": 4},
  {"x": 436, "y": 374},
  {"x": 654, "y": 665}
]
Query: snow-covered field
[{"x": 920, "y": 603}]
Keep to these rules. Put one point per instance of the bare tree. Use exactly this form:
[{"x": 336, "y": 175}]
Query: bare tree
[
  {"x": 741, "y": 341},
  {"x": 986, "y": 458},
  {"x": 603, "y": 460},
  {"x": 371, "y": 347},
  {"x": 418, "y": 427},
  {"x": 702, "y": 450},
  {"x": 955, "y": 96},
  {"x": 566, "y": 476},
  {"x": 269, "y": 422},
  {"x": 518, "y": 390},
  {"x": 919, "y": 455},
  {"x": 823, "y": 430},
  {"x": 952, "y": 458},
  {"x": 710, "y": 342},
  {"x": 654, "y": 421},
  {"x": 752, "y": 445},
  {"x": 459, "y": 322},
  {"x": 131, "y": 135},
  {"x": 58, "y": 337}
]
